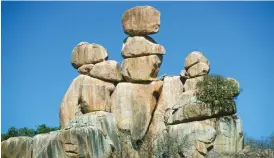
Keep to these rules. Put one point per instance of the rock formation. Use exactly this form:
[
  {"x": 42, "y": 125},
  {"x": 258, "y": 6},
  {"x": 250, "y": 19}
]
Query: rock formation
[{"x": 113, "y": 111}]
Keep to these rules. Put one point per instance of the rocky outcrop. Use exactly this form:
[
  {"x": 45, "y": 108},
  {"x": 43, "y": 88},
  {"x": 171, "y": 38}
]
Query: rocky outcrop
[
  {"x": 91, "y": 135},
  {"x": 113, "y": 111},
  {"x": 85, "y": 94},
  {"x": 17, "y": 147},
  {"x": 141, "y": 20}
]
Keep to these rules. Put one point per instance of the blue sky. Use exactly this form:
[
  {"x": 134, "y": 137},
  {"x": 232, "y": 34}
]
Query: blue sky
[{"x": 38, "y": 38}]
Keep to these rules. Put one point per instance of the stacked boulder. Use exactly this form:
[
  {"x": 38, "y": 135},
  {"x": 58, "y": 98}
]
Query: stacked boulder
[
  {"x": 134, "y": 101},
  {"x": 194, "y": 128},
  {"x": 143, "y": 56},
  {"x": 110, "y": 111},
  {"x": 92, "y": 89}
]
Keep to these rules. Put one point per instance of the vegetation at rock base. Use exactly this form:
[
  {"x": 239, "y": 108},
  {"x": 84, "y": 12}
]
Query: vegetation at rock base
[
  {"x": 217, "y": 91},
  {"x": 14, "y": 132},
  {"x": 263, "y": 143}
]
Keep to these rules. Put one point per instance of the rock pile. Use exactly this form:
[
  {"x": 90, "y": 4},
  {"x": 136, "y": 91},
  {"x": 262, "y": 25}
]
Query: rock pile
[
  {"x": 110, "y": 111},
  {"x": 143, "y": 56}
]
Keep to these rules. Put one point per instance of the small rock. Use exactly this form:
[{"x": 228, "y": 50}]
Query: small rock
[
  {"x": 199, "y": 69},
  {"x": 85, "y": 69},
  {"x": 195, "y": 58}
]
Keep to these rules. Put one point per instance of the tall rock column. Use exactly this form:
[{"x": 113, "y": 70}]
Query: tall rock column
[{"x": 133, "y": 102}]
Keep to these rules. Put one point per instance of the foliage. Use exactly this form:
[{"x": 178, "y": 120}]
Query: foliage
[
  {"x": 14, "y": 132},
  {"x": 263, "y": 143},
  {"x": 217, "y": 91}
]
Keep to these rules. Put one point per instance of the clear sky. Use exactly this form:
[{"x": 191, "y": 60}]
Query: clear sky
[{"x": 38, "y": 38}]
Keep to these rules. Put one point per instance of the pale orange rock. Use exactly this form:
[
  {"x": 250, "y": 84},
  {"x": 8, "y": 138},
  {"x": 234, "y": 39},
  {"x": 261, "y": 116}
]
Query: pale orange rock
[
  {"x": 107, "y": 70},
  {"x": 85, "y": 53},
  {"x": 141, "y": 69},
  {"x": 85, "y": 69},
  {"x": 85, "y": 90},
  {"x": 133, "y": 105},
  {"x": 195, "y": 58},
  {"x": 199, "y": 69},
  {"x": 141, "y": 46},
  {"x": 141, "y": 20}
]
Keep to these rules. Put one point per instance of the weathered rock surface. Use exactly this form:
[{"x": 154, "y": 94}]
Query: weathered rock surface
[
  {"x": 91, "y": 135},
  {"x": 141, "y": 20},
  {"x": 141, "y": 46},
  {"x": 107, "y": 70},
  {"x": 16, "y": 147},
  {"x": 191, "y": 109},
  {"x": 199, "y": 69},
  {"x": 141, "y": 69},
  {"x": 170, "y": 96},
  {"x": 88, "y": 92},
  {"x": 195, "y": 58},
  {"x": 190, "y": 84},
  {"x": 230, "y": 135},
  {"x": 85, "y": 53},
  {"x": 133, "y": 106},
  {"x": 85, "y": 69},
  {"x": 144, "y": 117},
  {"x": 193, "y": 138}
]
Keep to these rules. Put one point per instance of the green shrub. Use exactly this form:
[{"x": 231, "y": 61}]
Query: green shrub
[
  {"x": 14, "y": 132},
  {"x": 217, "y": 91}
]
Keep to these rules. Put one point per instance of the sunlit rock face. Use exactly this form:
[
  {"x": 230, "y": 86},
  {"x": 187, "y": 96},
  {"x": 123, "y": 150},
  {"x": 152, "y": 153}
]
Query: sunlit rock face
[
  {"x": 141, "y": 69},
  {"x": 85, "y": 94},
  {"x": 124, "y": 111},
  {"x": 133, "y": 106}
]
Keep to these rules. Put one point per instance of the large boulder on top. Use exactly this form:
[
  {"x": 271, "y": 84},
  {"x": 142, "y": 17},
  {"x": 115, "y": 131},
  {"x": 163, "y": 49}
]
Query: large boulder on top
[
  {"x": 85, "y": 94},
  {"x": 107, "y": 70},
  {"x": 141, "y": 20},
  {"x": 141, "y": 69},
  {"x": 133, "y": 105},
  {"x": 195, "y": 58},
  {"x": 85, "y": 53},
  {"x": 141, "y": 46}
]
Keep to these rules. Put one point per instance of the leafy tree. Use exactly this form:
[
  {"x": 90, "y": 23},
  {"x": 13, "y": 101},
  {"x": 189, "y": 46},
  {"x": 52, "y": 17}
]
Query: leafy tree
[
  {"x": 26, "y": 132},
  {"x": 14, "y": 132}
]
